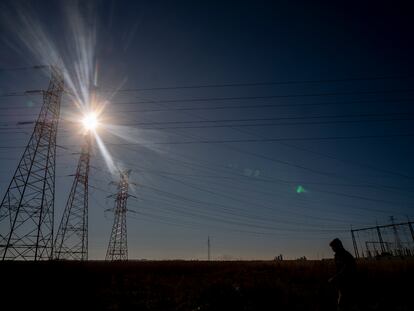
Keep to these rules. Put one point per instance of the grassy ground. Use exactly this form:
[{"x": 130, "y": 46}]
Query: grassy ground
[{"x": 197, "y": 285}]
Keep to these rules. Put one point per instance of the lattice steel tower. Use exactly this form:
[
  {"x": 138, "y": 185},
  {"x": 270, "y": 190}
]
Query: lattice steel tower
[
  {"x": 27, "y": 209},
  {"x": 117, "y": 248},
  {"x": 72, "y": 236}
]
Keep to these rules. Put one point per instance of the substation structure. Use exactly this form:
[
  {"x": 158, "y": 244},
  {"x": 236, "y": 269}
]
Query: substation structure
[{"x": 391, "y": 240}]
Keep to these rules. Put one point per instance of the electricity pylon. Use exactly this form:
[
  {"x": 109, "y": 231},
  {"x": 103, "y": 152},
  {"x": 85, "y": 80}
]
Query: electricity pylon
[
  {"x": 208, "y": 248},
  {"x": 72, "y": 236},
  {"x": 118, "y": 248},
  {"x": 27, "y": 208}
]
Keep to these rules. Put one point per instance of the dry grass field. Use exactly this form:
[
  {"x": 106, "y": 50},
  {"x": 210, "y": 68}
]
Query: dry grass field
[{"x": 198, "y": 285}]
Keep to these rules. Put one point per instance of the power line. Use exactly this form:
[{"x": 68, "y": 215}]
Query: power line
[
  {"x": 284, "y": 162},
  {"x": 274, "y": 105},
  {"x": 24, "y": 68},
  {"x": 225, "y": 209},
  {"x": 224, "y": 141},
  {"x": 286, "y": 181},
  {"x": 266, "y": 140},
  {"x": 12, "y": 130},
  {"x": 168, "y": 220},
  {"x": 341, "y": 195},
  {"x": 360, "y": 115},
  {"x": 340, "y": 116},
  {"x": 266, "y": 83},
  {"x": 210, "y": 215},
  {"x": 237, "y": 128},
  {"x": 276, "y": 124},
  {"x": 208, "y": 99},
  {"x": 237, "y": 199},
  {"x": 211, "y": 121},
  {"x": 231, "y": 98},
  {"x": 324, "y": 191}
]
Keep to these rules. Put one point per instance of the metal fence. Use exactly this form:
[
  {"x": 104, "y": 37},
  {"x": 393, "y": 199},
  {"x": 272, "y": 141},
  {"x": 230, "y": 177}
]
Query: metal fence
[{"x": 393, "y": 239}]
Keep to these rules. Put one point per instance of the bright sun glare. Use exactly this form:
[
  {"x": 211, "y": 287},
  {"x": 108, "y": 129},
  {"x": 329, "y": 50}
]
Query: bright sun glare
[{"x": 90, "y": 121}]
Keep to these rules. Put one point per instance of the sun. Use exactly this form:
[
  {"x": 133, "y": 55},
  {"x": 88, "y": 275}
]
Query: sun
[{"x": 90, "y": 121}]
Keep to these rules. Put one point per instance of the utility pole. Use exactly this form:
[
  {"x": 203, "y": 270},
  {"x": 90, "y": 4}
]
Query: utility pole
[
  {"x": 410, "y": 225},
  {"x": 396, "y": 236},
  {"x": 208, "y": 248},
  {"x": 354, "y": 244},
  {"x": 27, "y": 208},
  {"x": 72, "y": 238},
  {"x": 380, "y": 239},
  {"x": 118, "y": 248}
]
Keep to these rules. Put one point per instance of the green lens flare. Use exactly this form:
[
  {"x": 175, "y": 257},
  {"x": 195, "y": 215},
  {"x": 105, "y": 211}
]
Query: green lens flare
[{"x": 300, "y": 189}]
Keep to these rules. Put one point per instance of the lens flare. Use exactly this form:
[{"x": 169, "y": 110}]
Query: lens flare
[
  {"x": 106, "y": 155},
  {"x": 300, "y": 189},
  {"x": 90, "y": 121}
]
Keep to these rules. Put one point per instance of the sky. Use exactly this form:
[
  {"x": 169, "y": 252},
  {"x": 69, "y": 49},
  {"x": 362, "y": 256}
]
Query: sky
[{"x": 270, "y": 126}]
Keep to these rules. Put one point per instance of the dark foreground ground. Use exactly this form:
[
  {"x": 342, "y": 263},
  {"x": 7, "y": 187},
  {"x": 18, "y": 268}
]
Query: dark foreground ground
[{"x": 197, "y": 285}]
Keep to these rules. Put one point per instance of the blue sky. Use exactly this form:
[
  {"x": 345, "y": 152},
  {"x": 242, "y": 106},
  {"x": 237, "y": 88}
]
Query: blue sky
[{"x": 223, "y": 110}]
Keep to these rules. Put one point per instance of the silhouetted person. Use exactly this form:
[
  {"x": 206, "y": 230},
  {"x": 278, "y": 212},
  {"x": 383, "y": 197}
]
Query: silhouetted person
[{"x": 344, "y": 279}]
